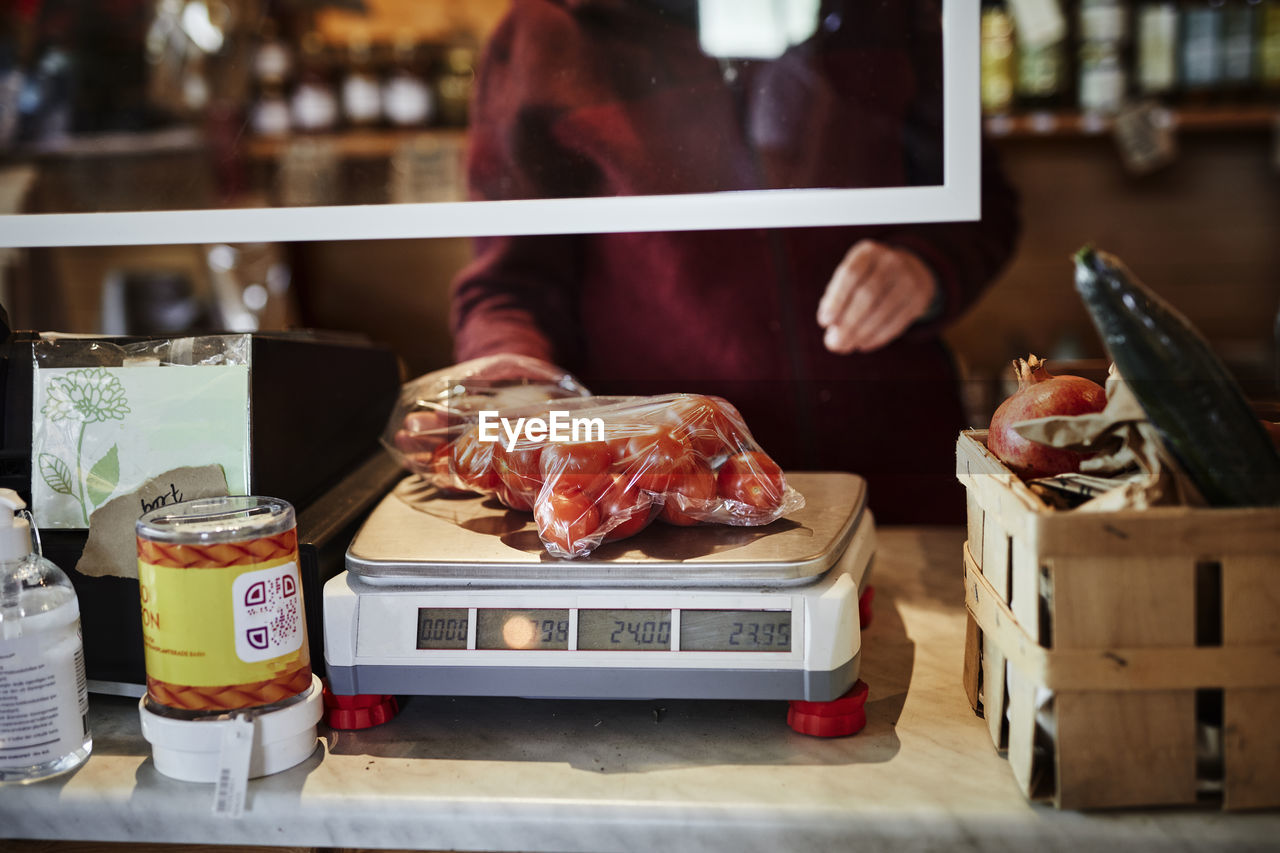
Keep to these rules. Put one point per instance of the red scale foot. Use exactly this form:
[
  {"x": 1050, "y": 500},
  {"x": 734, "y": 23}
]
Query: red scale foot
[
  {"x": 864, "y": 606},
  {"x": 361, "y": 711},
  {"x": 837, "y": 718}
]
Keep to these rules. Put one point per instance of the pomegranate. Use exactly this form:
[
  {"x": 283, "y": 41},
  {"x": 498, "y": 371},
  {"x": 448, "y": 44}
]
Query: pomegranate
[{"x": 1041, "y": 395}]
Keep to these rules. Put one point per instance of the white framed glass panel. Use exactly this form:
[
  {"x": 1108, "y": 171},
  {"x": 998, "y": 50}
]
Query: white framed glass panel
[{"x": 759, "y": 64}]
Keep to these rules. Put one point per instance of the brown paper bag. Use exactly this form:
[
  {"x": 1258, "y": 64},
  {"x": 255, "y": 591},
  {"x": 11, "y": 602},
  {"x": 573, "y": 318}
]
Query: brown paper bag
[{"x": 1126, "y": 447}]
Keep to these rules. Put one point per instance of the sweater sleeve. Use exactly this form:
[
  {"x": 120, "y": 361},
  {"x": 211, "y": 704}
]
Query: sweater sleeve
[
  {"x": 964, "y": 256},
  {"x": 518, "y": 295}
]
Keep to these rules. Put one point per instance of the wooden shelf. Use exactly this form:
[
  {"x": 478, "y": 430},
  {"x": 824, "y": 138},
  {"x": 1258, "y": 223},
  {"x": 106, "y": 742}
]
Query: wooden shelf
[
  {"x": 178, "y": 139},
  {"x": 1060, "y": 123},
  {"x": 353, "y": 144}
]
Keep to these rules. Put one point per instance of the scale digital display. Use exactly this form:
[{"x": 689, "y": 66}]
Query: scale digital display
[
  {"x": 500, "y": 628},
  {"x": 442, "y": 627},
  {"x": 624, "y": 630},
  {"x": 735, "y": 630},
  {"x": 620, "y": 630}
]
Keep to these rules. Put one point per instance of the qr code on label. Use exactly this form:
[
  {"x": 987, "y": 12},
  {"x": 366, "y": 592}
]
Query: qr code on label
[{"x": 268, "y": 613}]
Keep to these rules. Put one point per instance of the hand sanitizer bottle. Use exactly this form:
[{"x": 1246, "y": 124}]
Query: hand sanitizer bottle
[{"x": 44, "y": 728}]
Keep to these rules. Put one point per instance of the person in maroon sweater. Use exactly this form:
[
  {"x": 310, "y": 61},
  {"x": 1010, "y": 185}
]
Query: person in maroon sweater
[{"x": 826, "y": 339}]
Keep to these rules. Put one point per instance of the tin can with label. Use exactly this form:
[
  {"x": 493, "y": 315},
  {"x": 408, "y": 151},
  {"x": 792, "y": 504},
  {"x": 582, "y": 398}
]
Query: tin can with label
[{"x": 223, "y": 622}]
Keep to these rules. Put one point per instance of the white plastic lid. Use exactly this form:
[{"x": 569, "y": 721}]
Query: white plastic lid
[
  {"x": 189, "y": 749},
  {"x": 15, "y": 533}
]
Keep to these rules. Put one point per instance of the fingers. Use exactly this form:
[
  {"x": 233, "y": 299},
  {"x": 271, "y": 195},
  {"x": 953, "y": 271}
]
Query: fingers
[
  {"x": 885, "y": 324},
  {"x": 873, "y": 297},
  {"x": 873, "y": 300},
  {"x": 421, "y": 432},
  {"x": 857, "y": 266}
]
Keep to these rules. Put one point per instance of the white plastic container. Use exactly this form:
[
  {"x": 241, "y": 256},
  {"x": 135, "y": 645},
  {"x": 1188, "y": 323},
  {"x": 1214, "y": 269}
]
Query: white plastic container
[
  {"x": 190, "y": 750},
  {"x": 44, "y": 702}
]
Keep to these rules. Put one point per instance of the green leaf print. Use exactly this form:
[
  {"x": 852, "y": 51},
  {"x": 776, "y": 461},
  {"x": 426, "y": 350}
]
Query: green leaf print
[
  {"x": 103, "y": 477},
  {"x": 56, "y": 474}
]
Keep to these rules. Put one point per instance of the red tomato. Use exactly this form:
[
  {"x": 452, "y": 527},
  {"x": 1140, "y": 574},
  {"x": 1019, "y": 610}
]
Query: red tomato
[
  {"x": 651, "y": 460},
  {"x": 520, "y": 473},
  {"x": 439, "y": 472},
  {"x": 473, "y": 462},
  {"x": 577, "y": 466},
  {"x": 710, "y": 425},
  {"x": 753, "y": 479},
  {"x": 618, "y": 447},
  {"x": 626, "y": 503},
  {"x": 693, "y": 484},
  {"x": 438, "y": 467},
  {"x": 566, "y": 519},
  {"x": 514, "y": 499}
]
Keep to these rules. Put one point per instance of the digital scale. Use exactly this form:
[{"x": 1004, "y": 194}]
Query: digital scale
[{"x": 456, "y": 596}]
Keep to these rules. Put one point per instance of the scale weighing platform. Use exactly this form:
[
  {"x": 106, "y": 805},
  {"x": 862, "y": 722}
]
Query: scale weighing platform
[{"x": 456, "y": 597}]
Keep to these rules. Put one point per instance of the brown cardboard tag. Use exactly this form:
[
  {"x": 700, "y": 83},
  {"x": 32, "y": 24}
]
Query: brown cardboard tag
[{"x": 112, "y": 547}]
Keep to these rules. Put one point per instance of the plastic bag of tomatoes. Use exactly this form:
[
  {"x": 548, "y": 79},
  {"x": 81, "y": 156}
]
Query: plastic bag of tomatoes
[
  {"x": 432, "y": 409},
  {"x": 678, "y": 459}
]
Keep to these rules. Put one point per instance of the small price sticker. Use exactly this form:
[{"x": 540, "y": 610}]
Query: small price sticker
[{"x": 233, "y": 766}]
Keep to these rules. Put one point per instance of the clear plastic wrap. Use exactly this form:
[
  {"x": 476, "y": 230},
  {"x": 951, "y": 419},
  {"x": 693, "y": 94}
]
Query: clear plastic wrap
[
  {"x": 434, "y": 408},
  {"x": 599, "y": 469}
]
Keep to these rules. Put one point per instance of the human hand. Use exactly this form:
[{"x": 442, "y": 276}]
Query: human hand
[
  {"x": 433, "y": 407},
  {"x": 875, "y": 294}
]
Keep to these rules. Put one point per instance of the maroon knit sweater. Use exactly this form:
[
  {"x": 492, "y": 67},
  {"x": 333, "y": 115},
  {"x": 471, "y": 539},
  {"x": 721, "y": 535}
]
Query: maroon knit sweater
[{"x": 606, "y": 97}]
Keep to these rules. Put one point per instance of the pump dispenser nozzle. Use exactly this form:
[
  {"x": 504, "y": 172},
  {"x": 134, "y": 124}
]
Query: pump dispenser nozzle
[{"x": 15, "y": 532}]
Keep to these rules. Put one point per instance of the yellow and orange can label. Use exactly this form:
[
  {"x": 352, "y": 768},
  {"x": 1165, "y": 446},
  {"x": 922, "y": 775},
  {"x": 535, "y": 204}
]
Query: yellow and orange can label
[{"x": 223, "y": 624}]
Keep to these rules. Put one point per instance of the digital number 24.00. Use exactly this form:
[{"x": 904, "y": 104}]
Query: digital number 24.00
[{"x": 643, "y": 633}]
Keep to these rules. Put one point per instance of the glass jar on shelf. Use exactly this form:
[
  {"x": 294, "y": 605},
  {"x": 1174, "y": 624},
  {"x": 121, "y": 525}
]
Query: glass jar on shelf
[
  {"x": 1268, "y": 47},
  {"x": 1200, "y": 48},
  {"x": 313, "y": 106},
  {"x": 1042, "y": 76},
  {"x": 453, "y": 84},
  {"x": 407, "y": 99},
  {"x": 1103, "y": 21},
  {"x": 1103, "y": 75},
  {"x": 1103, "y": 81},
  {"x": 1156, "y": 48},
  {"x": 1239, "y": 47},
  {"x": 1043, "y": 62},
  {"x": 997, "y": 58},
  {"x": 361, "y": 91},
  {"x": 272, "y": 60}
]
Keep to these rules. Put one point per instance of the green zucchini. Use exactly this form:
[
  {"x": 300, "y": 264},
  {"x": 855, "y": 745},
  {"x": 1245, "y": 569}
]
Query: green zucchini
[{"x": 1188, "y": 394}]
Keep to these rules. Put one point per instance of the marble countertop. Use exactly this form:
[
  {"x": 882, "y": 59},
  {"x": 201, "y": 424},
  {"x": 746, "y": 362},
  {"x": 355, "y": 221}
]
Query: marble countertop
[{"x": 534, "y": 775}]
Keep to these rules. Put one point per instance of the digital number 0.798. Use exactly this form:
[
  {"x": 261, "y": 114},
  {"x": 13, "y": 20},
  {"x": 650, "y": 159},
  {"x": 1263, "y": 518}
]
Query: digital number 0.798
[{"x": 555, "y": 630}]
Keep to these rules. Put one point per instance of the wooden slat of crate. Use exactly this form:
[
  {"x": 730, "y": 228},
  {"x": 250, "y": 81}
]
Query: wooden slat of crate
[
  {"x": 1172, "y": 531},
  {"x": 972, "y": 675},
  {"x": 1251, "y": 734},
  {"x": 996, "y": 548},
  {"x": 1241, "y": 667},
  {"x": 1024, "y": 601},
  {"x": 976, "y": 518},
  {"x": 1120, "y": 749}
]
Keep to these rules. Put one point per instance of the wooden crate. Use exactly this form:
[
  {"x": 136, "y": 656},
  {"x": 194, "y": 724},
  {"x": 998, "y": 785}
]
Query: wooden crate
[{"x": 1102, "y": 646}]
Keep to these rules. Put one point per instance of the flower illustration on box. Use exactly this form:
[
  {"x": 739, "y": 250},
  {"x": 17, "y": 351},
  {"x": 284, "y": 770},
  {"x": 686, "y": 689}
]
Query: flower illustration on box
[{"x": 87, "y": 395}]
